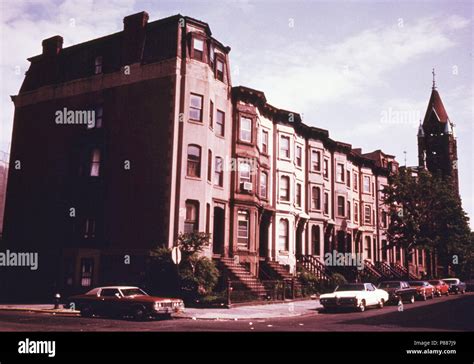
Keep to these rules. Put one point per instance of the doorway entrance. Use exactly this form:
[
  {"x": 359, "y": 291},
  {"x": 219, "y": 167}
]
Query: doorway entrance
[{"x": 218, "y": 235}]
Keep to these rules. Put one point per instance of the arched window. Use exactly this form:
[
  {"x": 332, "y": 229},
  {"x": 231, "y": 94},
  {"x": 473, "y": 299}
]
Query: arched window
[
  {"x": 316, "y": 239},
  {"x": 283, "y": 235},
  {"x": 194, "y": 160}
]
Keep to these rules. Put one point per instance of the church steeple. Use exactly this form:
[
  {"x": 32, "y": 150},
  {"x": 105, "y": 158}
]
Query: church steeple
[{"x": 437, "y": 149}]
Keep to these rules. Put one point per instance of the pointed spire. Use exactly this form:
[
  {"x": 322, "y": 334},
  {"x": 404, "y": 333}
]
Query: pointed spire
[{"x": 434, "y": 79}]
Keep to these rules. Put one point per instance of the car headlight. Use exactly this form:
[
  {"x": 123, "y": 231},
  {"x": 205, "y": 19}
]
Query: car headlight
[{"x": 157, "y": 305}]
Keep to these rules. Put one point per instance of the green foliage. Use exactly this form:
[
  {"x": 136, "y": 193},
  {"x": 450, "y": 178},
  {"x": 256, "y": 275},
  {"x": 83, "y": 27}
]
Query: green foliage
[
  {"x": 426, "y": 212},
  {"x": 199, "y": 276},
  {"x": 196, "y": 276},
  {"x": 310, "y": 283},
  {"x": 337, "y": 279}
]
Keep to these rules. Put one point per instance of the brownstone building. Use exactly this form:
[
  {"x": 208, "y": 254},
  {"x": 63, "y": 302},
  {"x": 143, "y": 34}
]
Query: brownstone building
[{"x": 169, "y": 146}]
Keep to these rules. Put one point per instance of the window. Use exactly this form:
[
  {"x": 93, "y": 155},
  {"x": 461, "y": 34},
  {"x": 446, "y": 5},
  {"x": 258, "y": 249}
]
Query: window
[
  {"x": 263, "y": 184},
  {"x": 326, "y": 203},
  {"x": 220, "y": 123},
  {"x": 209, "y": 165},
  {"x": 366, "y": 184},
  {"x": 285, "y": 188},
  {"x": 211, "y": 114},
  {"x": 368, "y": 247},
  {"x": 298, "y": 156},
  {"x": 220, "y": 70},
  {"x": 195, "y": 107},
  {"x": 356, "y": 211},
  {"x": 316, "y": 198},
  {"x": 208, "y": 218},
  {"x": 264, "y": 141},
  {"x": 98, "y": 111},
  {"x": 191, "y": 222},
  {"x": 341, "y": 206},
  {"x": 326, "y": 168},
  {"x": 245, "y": 129},
  {"x": 285, "y": 147},
  {"x": 243, "y": 230},
  {"x": 298, "y": 195},
  {"x": 356, "y": 181},
  {"x": 340, "y": 172},
  {"x": 198, "y": 49},
  {"x": 89, "y": 229},
  {"x": 384, "y": 219},
  {"x": 367, "y": 215},
  {"x": 348, "y": 210},
  {"x": 194, "y": 161},
  {"x": 315, "y": 161},
  {"x": 283, "y": 236},
  {"x": 218, "y": 172},
  {"x": 87, "y": 270},
  {"x": 95, "y": 163},
  {"x": 348, "y": 178},
  {"x": 316, "y": 239},
  {"x": 212, "y": 56},
  {"x": 98, "y": 65},
  {"x": 244, "y": 172}
]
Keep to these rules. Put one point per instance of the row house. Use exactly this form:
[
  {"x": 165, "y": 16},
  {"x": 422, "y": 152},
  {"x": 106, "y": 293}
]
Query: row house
[{"x": 174, "y": 148}]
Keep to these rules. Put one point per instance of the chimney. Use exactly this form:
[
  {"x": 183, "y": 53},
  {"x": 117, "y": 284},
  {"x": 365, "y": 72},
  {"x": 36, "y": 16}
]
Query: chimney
[
  {"x": 133, "y": 41},
  {"x": 52, "y": 46}
]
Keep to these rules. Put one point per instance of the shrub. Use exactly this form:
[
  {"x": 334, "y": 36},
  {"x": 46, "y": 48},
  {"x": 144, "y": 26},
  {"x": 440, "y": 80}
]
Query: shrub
[{"x": 337, "y": 279}]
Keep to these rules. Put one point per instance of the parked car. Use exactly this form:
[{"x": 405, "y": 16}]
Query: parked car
[
  {"x": 399, "y": 291},
  {"x": 423, "y": 289},
  {"x": 441, "y": 288},
  {"x": 455, "y": 285},
  {"x": 124, "y": 301},
  {"x": 354, "y": 295}
]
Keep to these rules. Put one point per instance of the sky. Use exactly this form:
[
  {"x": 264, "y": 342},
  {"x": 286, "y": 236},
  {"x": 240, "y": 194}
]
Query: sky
[{"x": 360, "y": 69}]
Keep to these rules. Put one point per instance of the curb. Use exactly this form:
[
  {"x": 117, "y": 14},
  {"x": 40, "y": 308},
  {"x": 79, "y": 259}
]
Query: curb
[{"x": 42, "y": 310}]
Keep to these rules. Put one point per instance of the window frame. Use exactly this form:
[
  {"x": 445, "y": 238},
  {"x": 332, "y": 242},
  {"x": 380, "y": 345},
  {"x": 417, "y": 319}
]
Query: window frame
[
  {"x": 198, "y": 162},
  {"x": 284, "y": 198},
  {"x": 220, "y": 127},
  {"x": 249, "y": 131},
  {"x": 191, "y": 107}
]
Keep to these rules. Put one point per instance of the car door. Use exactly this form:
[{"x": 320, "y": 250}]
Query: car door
[
  {"x": 108, "y": 300},
  {"x": 371, "y": 294}
]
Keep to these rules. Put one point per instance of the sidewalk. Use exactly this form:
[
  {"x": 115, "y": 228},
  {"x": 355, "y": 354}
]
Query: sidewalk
[
  {"x": 265, "y": 311},
  {"x": 271, "y": 310},
  {"x": 42, "y": 308}
]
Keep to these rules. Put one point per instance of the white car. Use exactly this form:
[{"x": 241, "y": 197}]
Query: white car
[{"x": 355, "y": 295}]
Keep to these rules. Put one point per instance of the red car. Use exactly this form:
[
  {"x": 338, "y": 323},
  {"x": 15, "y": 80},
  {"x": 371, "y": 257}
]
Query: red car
[
  {"x": 124, "y": 301},
  {"x": 423, "y": 289},
  {"x": 441, "y": 288}
]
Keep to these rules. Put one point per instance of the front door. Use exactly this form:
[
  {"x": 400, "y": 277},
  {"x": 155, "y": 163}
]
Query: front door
[{"x": 218, "y": 231}]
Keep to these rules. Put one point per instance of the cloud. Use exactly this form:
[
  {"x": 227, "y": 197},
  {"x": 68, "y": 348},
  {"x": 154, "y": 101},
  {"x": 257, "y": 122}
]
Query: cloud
[{"x": 301, "y": 76}]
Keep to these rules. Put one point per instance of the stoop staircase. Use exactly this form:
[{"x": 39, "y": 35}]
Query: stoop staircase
[
  {"x": 279, "y": 272},
  {"x": 238, "y": 272}
]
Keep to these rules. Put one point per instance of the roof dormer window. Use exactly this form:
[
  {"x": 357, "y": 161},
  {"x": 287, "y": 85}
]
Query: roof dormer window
[{"x": 198, "y": 49}]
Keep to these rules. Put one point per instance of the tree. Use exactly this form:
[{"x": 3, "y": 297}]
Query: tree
[{"x": 426, "y": 213}]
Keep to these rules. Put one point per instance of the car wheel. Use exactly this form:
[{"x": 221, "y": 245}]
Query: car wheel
[
  {"x": 412, "y": 299},
  {"x": 138, "y": 313},
  {"x": 424, "y": 298},
  {"x": 447, "y": 293},
  {"x": 362, "y": 306},
  {"x": 87, "y": 311},
  {"x": 432, "y": 295},
  {"x": 381, "y": 303}
]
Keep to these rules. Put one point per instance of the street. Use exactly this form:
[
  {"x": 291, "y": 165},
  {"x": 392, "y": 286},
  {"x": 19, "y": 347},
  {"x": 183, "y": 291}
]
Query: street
[{"x": 453, "y": 313}]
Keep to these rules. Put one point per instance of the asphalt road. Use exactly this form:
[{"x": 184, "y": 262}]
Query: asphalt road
[{"x": 453, "y": 313}]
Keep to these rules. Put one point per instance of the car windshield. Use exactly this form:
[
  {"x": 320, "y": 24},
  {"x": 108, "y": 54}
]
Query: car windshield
[
  {"x": 133, "y": 292},
  {"x": 389, "y": 285},
  {"x": 450, "y": 280},
  {"x": 350, "y": 287},
  {"x": 417, "y": 284}
]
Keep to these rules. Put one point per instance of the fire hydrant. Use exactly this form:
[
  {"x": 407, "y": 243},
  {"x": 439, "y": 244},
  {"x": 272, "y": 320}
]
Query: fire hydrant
[{"x": 57, "y": 297}]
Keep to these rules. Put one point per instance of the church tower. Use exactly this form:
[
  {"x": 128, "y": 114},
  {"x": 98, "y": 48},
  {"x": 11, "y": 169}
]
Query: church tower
[{"x": 437, "y": 150}]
